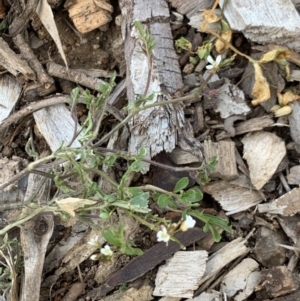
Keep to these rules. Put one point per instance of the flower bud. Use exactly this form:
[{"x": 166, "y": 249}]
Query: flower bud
[{"x": 283, "y": 111}]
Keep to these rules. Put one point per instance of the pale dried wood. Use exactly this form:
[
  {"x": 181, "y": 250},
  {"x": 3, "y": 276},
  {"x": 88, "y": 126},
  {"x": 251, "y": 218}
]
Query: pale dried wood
[
  {"x": 286, "y": 205},
  {"x": 252, "y": 125},
  {"x": 34, "y": 63},
  {"x": 10, "y": 92},
  {"x": 57, "y": 126},
  {"x": 218, "y": 260},
  {"x": 13, "y": 63},
  {"x": 225, "y": 152},
  {"x": 234, "y": 196},
  {"x": 241, "y": 281},
  {"x": 181, "y": 275},
  {"x": 263, "y": 152},
  {"x": 74, "y": 76},
  {"x": 294, "y": 120},
  {"x": 35, "y": 235},
  {"x": 155, "y": 128},
  {"x": 293, "y": 177},
  {"x": 265, "y": 22},
  {"x": 88, "y": 15},
  {"x": 181, "y": 157},
  {"x": 189, "y": 7},
  {"x": 169, "y": 299},
  {"x": 230, "y": 100}
]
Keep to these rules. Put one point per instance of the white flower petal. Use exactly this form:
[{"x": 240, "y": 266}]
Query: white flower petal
[
  {"x": 210, "y": 59},
  {"x": 106, "y": 251},
  {"x": 163, "y": 235},
  {"x": 218, "y": 60},
  {"x": 209, "y": 67}
]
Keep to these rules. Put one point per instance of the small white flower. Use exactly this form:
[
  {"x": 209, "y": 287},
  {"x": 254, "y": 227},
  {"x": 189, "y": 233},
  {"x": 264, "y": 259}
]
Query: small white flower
[
  {"x": 188, "y": 223},
  {"x": 163, "y": 235},
  {"x": 106, "y": 251},
  {"x": 94, "y": 242},
  {"x": 95, "y": 257},
  {"x": 214, "y": 63}
]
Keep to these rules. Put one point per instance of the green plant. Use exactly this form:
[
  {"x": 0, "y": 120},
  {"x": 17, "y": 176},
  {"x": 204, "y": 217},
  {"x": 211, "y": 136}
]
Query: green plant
[
  {"x": 71, "y": 168},
  {"x": 10, "y": 267}
]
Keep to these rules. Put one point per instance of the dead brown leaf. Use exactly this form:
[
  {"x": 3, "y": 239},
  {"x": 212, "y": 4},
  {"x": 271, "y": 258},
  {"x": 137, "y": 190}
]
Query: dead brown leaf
[
  {"x": 70, "y": 205},
  {"x": 261, "y": 89}
]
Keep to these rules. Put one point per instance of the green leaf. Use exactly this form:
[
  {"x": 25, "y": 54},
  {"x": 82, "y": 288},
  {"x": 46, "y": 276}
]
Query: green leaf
[
  {"x": 197, "y": 194},
  {"x": 110, "y": 160},
  {"x": 155, "y": 196},
  {"x": 128, "y": 250},
  {"x": 137, "y": 166},
  {"x": 142, "y": 153},
  {"x": 111, "y": 237},
  {"x": 110, "y": 198},
  {"x": 189, "y": 196},
  {"x": 140, "y": 201},
  {"x": 133, "y": 191},
  {"x": 163, "y": 200},
  {"x": 181, "y": 184},
  {"x": 104, "y": 215}
]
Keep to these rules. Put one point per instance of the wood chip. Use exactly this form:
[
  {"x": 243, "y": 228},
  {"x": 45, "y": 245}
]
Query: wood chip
[
  {"x": 263, "y": 152},
  {"x": 286, "y": 205},
  {"x": 180, "y": 276},
  {"x": 278, "y": 22},
  {"x": 56, "y": 125},
  {"x": 155, "y": 128},
  {"x": 234, "y": 196},
  {"x": 88, "y": 15},
  {"x": 231, "y": 100},
  {"x": 225, "y": 152},
  {"x": 293, "y": 177},
  {"x": 218, "y": 260},
  {"x": 241, "y": 281},
  {"x": 13, "y": 63},
  {"x": 190, "y": 7},
  {"x": 251, "y": 125},
  {"x": 182, "y": 157}
]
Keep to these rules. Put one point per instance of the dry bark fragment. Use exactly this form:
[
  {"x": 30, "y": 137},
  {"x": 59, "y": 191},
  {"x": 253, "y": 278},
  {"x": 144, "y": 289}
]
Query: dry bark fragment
[
  {"x": 180, "y": 276},
  {"x": 234, "y": 196},
  {"x": 74, "y": 76},
  {"x": 13, "y": 63},
  {"x": 269, "y": 22},
  {"x": 294, "y": 176},
  {"x": 57, "y": 126},
  {"x": 35, "y": 235},
  {"x": 34, "y": 63},
  {"x": 88, "y": 15},
  {"x": 286, "y": 205},
  {"x": 263, "y": 152},
  {"x": 294, "y": 120},
  {"x": 225, "y": 153},
  {"x": 241, "y": 281},
  {"x": 252, "y": 125},
  {"x": 155, "y": 128},
  {"x": 189, "y": 7}
]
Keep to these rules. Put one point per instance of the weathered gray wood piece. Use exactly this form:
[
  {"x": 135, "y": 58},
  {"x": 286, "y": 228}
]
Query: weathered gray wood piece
[
  {"x": 56, "y": 125},
  {"x": 155, "y": 128},
  {"x": 35, "y": 235},
  {"x": 189, "y": 7},
  {"x": 265, "y": 22},
  {"x": 13, "y": 63},
  {"x": 10, "y": 91},
  {"x": 294, "y": 120}
]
